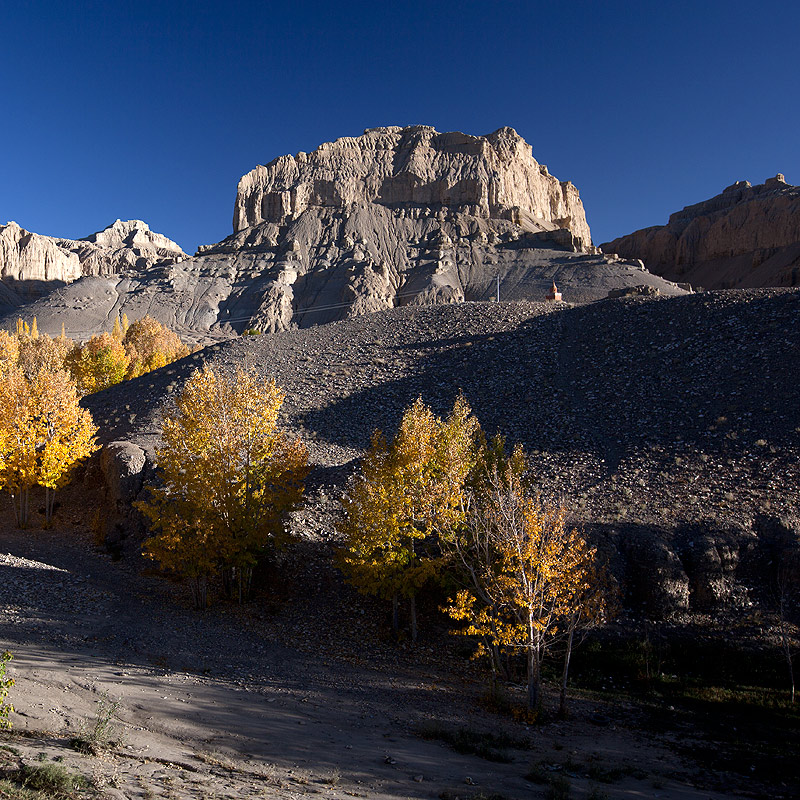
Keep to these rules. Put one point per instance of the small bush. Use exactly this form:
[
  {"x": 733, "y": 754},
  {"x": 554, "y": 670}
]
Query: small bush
[
  {"x": 538, "y": 773},
  {"x": 51, "y": 778},
  {"x": 489, "y": 746},
  {"x": 99, "y": 734},
  {"x": 5, "y": 685}
]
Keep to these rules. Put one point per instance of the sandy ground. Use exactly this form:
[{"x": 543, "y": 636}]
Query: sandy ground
[{"x": 212, "y": 707}]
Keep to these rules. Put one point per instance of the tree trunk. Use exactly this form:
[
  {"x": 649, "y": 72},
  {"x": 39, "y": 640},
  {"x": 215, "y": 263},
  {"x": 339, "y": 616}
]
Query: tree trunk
[
  {"x": 413, "y": 604},
  {"x": 533, "y": 684},
  {"x": 49, "y": 504},
  {"x": 396, "y": 613},
  {"x": 200, "y": 591},
  {"x": 562, "y": 703},
  {"x": 787, "y": 649},
  {"x": 21, "y": 508},
  {"x": 534, "y": 677}
]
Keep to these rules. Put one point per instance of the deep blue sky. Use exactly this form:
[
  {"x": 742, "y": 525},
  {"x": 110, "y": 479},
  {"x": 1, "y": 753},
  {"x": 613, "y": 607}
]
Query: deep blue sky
[{"x": 153, "y": 110}]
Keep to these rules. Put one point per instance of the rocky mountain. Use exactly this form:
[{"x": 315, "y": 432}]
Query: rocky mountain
[
  {"x": 641, "y": 412},
  {"x": 748, "y": 236},
  {"x": 397, "y": 216},
  {"x": 31, "y": 265}
]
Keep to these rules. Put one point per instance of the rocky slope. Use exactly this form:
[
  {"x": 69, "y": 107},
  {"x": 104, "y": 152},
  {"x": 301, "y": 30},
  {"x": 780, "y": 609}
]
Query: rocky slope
[
  {"x": 748, "y": 236},
  {"x": 643, "y": 413},
  {"x": 397, "y": 216},
  {"x": 31, "y": 265}
]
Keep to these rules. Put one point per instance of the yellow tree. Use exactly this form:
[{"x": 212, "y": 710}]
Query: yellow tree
[
  {"x": 44, "y": 433},
  {"x": 97, "y": 364},
  {"x": 149, "y": 345},
  {"x": 229, "y": 478},
  {"x": 65, "y": 432},
  {"x": 9, "y": 352},
  {"x": 17, "y": 441},
  {"x": 531, "y": 575},
  {"x": 407, "y": 494},
  {"x": 42, "y": 353}
]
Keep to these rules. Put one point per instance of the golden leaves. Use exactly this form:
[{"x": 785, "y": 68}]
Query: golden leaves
[
  {"x": 44, "y": 432},
  {"x": 229, "y": 476},
  {"x": 405, "y": 495}
]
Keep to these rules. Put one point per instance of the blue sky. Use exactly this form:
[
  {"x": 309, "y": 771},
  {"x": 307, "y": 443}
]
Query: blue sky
[{"x": 153, "y": 110}]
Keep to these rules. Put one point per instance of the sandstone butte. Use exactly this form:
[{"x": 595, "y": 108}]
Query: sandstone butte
[
  {"x": 395, "y": 216},
  {"x": 746, "y": 237}
]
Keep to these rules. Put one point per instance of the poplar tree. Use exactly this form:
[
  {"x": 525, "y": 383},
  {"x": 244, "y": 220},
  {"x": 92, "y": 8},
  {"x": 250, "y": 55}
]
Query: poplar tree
[
  {"x": 44, "y": 434},
  {"x": 531, "y": 576},
  {"x": 407, "y": 495},
  {"x": 99, "y": 363},
  {"x": 229, "y": 477}
]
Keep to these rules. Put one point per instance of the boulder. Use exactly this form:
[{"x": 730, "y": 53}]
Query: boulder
[{"x": 124, "y": 466}]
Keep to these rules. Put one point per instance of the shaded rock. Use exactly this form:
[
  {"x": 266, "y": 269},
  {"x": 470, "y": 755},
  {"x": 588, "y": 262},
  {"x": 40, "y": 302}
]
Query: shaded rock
[
  {"x": 124, "y": 466},
  {"x": 713, "y": 560},
  {"x": 780, "y": 541},
  {"x": 655, "y": 579}
]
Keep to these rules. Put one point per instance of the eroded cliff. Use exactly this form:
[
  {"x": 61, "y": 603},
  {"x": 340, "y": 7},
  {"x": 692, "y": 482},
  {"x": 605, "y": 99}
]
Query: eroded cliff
[{"x": 745, "y": 237}]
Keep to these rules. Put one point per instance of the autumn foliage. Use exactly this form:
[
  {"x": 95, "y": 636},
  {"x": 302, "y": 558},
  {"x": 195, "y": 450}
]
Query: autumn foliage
[
  {"x": 408, "y": 492},
  {"x": 228, "y": 479},
  {"x": 44, "y": 434},
  {"x": 443, "y": 502},
  {"x": 149, "y": 345},
  {"x": 530, "y": 576},
  {"x": 103, "y": 360}
]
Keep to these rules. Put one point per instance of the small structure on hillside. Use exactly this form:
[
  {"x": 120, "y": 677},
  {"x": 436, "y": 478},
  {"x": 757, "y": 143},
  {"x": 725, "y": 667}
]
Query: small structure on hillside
[{"x": 553, "y": 295}]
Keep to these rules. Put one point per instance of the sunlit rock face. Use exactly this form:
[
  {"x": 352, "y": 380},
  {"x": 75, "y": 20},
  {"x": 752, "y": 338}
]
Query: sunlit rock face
[
  {"x": 745, "y": 237},
  {"x": 492, "y": 176},
  {"x": 31, "y": 264}
]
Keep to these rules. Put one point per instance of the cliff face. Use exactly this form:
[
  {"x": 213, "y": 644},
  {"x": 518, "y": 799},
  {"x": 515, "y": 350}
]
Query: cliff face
[
  {"x": 32, "y": 264},
  {"x": 745, "y": 237},
  {"x": 29, "y": 257},
  {"x": 486, "y": 176}
]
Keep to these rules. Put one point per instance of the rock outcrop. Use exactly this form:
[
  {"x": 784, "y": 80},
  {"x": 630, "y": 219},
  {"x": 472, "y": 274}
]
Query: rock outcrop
[
  {"x": 492, "y": 176},
  {"x": 397, "y": 216},
  {"x": 746, "y": 237},
  {"x": 31, "y": 265}
]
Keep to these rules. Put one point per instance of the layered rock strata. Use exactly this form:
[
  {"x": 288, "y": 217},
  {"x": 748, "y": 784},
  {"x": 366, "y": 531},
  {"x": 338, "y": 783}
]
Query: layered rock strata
[
  {"x": 746, "y": 237},
  {"x": 485, "y": 176}
]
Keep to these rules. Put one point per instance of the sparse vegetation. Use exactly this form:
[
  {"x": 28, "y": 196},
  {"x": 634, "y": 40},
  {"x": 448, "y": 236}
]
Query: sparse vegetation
[
  {"x": 52, "y": 779},
  {"x": 99, "y": 733},
  {"x": 6, "y": 683},
  {"x": 489, "y": 746}
]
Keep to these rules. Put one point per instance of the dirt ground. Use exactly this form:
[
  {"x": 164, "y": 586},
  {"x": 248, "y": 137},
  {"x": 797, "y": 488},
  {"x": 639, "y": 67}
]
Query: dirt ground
[{"x": 213, "y": 705}]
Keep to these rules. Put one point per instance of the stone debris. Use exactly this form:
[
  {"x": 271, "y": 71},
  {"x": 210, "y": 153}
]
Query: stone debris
[{"x": 667, "y": 424}]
